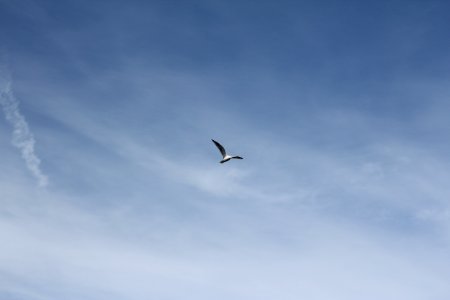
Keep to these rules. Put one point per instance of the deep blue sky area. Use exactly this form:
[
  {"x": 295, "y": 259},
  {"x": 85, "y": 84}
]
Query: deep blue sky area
[{"x": 110, "y": 186}]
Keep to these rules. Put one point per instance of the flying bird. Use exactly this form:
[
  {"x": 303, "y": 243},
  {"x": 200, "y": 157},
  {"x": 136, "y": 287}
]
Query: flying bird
[{"x": 225, "y": 156}]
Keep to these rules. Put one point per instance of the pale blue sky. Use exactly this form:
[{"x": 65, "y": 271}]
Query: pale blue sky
[{"x": 110, "y": 187}]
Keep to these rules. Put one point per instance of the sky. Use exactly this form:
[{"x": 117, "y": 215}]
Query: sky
[{"x": 110, "y": 186}]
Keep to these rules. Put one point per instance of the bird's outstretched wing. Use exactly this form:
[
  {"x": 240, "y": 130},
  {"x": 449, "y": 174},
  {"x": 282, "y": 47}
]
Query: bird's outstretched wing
[
  {"x": 220, "y": 147},
  {"x": 238, "y": 157}
]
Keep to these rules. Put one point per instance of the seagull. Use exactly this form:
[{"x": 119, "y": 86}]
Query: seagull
[{"x": 226, "y": 157}]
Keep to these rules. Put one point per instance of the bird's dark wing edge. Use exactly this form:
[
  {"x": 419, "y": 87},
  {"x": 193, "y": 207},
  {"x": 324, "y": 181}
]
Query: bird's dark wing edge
[{"x": 220, "y": 147}]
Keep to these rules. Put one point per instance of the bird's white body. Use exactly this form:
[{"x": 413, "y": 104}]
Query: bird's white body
[{"x": 226, "y": 158}]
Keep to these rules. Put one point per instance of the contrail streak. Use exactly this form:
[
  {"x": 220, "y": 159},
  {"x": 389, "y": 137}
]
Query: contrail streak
[{"x": 22, "y": 137}]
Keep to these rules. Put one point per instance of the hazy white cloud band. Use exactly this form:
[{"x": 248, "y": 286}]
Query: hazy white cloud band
[{"x": 22, "y": 136}]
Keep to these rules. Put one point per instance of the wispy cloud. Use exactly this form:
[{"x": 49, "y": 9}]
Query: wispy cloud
[{"x": 22, "y": 136}]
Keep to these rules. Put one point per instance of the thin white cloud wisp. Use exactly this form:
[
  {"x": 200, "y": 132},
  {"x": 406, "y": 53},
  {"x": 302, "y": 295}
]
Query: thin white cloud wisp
[{"x": 22, "y": 137}]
